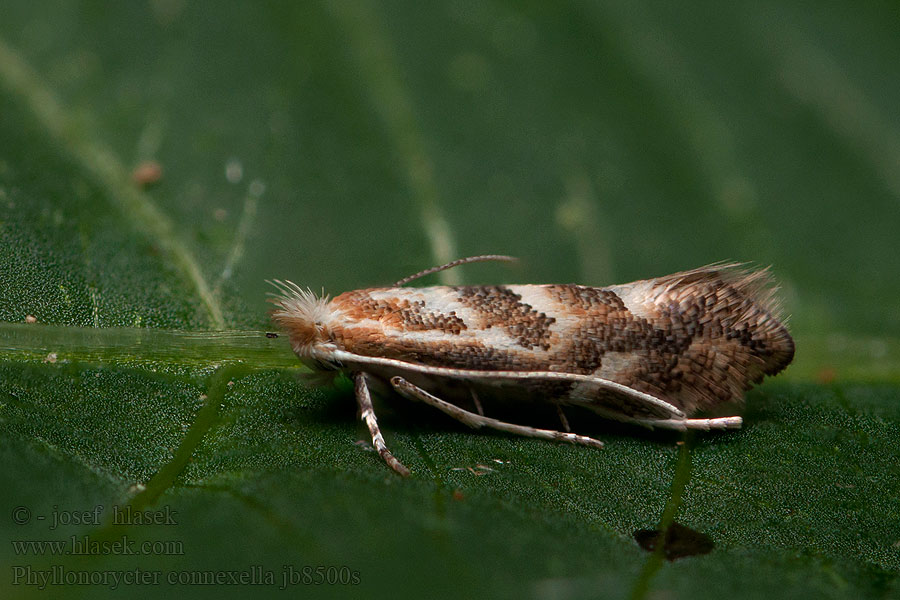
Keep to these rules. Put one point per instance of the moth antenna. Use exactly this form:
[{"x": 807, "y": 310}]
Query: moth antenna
[{"x": 456, "y": 263}]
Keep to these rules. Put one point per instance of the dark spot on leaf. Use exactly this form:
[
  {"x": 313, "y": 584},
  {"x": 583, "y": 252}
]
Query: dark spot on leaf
[
  {"x": 680, "y": 541},
  {"x": 271, "y": 335}
]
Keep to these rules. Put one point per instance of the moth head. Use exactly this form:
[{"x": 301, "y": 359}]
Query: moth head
[{"x": 307, "y": 320}]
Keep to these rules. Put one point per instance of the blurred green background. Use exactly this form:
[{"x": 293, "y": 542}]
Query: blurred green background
[{"x": 348, "y": 144}]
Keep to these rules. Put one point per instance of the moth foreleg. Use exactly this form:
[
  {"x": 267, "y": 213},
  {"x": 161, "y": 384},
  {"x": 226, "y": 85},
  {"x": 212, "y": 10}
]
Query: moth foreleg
[
  {"x": 367, "y": 414},
  {"x": 475, "y": 421}
]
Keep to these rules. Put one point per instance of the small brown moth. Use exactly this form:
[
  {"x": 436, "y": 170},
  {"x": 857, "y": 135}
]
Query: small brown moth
[{"x": 653, "y": 352}]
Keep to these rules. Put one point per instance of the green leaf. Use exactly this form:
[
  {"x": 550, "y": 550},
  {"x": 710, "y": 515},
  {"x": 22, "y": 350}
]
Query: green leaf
[{"x": 343, "y": 145}]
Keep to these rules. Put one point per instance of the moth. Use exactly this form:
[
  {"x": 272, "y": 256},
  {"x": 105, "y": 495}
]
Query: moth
[{"x": 655, "y": 352}]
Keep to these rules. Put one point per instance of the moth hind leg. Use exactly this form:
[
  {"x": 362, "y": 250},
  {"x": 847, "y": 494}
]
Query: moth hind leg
[
  {"x": 476, "y": 421},
  {"x": 367, "y": 414},
  {"x": 685, "y": 424}
]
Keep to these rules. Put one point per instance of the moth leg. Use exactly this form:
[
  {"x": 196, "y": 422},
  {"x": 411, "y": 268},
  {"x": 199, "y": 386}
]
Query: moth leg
[
  {"x": 367, "y": 414},
  {"x": 562, "y": 417},
  {"x": 477, "y": 402},
  {"x": 685, "y": 424},
  {"x": 413, "y": 392}
]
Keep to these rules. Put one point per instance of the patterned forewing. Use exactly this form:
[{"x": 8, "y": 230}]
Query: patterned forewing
[{"x": 693, "y": 339}]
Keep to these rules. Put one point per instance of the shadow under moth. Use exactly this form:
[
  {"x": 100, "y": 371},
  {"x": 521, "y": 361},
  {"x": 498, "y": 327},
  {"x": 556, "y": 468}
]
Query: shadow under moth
[{"x": 654, "y": 352}]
